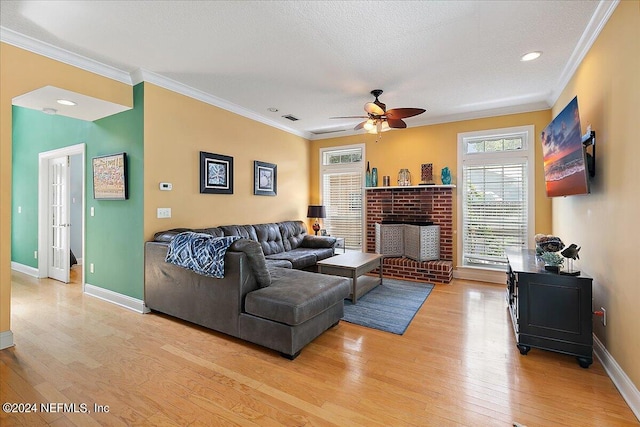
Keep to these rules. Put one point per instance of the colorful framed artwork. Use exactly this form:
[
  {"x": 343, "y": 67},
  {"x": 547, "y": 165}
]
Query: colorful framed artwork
[
  {"x": 265, "y": 178},
  {"x": 110, "y": 177},
  {"x": 216, "y": 173}
]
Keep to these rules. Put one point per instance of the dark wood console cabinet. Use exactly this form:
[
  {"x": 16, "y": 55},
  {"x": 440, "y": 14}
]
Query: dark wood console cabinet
[{"x": 548, "y": 310}]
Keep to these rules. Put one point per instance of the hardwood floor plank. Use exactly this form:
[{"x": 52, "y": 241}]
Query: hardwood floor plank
[{"x": 456, "y": 365}]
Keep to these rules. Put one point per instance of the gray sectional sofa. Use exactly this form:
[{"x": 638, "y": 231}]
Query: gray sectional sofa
[{"x": 267, "y": 295}]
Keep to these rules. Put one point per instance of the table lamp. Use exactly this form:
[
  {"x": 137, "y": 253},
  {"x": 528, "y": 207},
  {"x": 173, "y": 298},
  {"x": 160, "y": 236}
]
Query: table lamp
[{"x": 316, "y": 211}]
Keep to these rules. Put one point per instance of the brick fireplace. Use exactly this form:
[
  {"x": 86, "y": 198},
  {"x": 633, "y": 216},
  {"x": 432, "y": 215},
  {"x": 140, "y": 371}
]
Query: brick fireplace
[{"x": 432, "y": 203}]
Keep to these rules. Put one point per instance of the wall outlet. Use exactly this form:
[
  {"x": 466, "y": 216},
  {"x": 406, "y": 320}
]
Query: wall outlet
[
  {"x": 92, "y": 211},
  {"x": 19, "y": 209},
  {"x": 164, "y": 213},
  {"x": 91, "y": 268},
  {"x": 604, "y": 316},
  {"x": 35, "y": 254}
]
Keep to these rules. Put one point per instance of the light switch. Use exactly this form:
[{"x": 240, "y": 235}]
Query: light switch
[{"x": 164, "y": 213}]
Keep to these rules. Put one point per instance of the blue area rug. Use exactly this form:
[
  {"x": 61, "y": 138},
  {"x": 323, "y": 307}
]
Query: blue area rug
[{"x": 388, "y": 307}]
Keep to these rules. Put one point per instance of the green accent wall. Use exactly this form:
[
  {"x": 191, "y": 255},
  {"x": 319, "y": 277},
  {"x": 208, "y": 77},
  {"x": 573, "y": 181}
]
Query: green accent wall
[{"x": 114, "y": 235}]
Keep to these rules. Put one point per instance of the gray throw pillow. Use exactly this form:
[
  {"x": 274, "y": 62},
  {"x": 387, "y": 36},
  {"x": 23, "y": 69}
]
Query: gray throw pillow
[{"x": 257, "y": 262}]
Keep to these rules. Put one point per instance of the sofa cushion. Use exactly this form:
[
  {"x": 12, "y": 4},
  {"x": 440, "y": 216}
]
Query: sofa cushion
[
  {"x": 244, "y": 231},
  {"x": 322, "y": 253},
  {"x": 311, "y": 241},
  {"x": 269, "y": 237},
  {"x": 257, "y": 262},
  {"x": 292, "y": 233},
  {"x": 299, "y": 258},
  {"x": 282, "y": 263},
  {"x": 296, "y": 296},
  {"x": 214, "y": 231}
]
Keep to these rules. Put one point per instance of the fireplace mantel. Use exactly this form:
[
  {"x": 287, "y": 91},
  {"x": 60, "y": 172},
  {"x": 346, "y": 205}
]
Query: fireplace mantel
[{"x": 404, "y": 187}]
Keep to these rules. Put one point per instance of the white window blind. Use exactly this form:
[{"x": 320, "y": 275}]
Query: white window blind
[
  {"x": 495, "y": 211},
  {"x": 342, "y": 198},
  {"x": 496, "y": 200},
  {"x": 341, "y": 188}
]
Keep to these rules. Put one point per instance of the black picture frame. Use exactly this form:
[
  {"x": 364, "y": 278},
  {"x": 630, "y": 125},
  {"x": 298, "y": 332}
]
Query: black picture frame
[
  {"x": 265, "y": 179},
  {"x": 216, "y": 173},
  {"x": 110, "y": 177}
]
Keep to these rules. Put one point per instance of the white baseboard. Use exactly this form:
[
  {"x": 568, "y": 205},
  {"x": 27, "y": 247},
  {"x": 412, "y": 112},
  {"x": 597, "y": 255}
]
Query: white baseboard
[
  {"x": 6, "y": 340},
  {"x": 30, "y": 271},
  {"x": 627, "y": 389},
  {"x": 116, "y": 298}
]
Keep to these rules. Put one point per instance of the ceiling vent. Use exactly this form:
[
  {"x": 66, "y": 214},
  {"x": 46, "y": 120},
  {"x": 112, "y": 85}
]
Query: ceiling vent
[{"x": 290, "y": 117}]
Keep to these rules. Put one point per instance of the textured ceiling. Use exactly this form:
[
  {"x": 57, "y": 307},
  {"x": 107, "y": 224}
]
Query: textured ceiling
[{"x": 318, "y": 59}]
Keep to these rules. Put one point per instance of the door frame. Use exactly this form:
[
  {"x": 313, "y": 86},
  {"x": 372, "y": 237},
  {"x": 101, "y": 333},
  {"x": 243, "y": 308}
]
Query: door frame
[{"x": 43, "y": 214}]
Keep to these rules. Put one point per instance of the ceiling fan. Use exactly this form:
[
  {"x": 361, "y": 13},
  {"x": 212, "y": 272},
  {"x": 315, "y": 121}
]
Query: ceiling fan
[{"x": 379, "y": 119}]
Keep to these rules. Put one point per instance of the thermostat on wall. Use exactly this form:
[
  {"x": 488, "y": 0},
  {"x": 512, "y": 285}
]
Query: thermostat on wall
[{"x": 166, "y": 186}]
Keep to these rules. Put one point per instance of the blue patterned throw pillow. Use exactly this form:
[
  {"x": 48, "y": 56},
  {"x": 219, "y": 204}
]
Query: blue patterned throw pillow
[{"x": 200, "y": 252}]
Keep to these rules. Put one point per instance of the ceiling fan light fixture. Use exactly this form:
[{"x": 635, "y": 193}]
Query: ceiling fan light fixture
[
  {"x": 385, "y": 126},
  {"x": 369, "y": 125}
]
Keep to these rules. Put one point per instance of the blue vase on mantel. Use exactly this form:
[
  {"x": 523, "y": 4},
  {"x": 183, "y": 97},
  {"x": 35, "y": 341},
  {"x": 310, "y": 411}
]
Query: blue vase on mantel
[
  {"x": 446, "y": 176},
  {"x": 368, "y": 177},
  {"x": 374, "y": 177}
]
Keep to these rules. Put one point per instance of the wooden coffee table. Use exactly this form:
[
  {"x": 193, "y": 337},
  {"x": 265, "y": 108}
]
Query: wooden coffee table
[{"x": 354, "y": 265}]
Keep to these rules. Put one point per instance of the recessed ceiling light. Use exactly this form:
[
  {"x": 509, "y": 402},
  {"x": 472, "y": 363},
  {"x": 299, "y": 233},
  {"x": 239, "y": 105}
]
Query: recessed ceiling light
[
  {"x": 47, "y": 110},
  {"x": 66, "y": 102},
  {"x": 531, "y": 56},
  {"x": 273, "y": 109}
]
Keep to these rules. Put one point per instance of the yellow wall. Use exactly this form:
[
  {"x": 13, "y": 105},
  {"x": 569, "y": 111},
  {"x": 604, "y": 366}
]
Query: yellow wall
[
  {"x": 22, "y": 72},
  {"x": 437, "y": 144},
  {"x": 177, "y": 128},
  {"x": 604, "y": 223}
]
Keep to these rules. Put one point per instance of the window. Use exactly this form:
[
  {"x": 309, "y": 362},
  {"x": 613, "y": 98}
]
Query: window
[
  {"x": 496, "y": 196},
  {"x": 341, "y": 187}
]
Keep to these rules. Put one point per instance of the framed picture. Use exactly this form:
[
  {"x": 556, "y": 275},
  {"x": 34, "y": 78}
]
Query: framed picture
[
  {"x": 110, "y": 177},
  {"x": 265, "y": 178},
  {"x": 216, "y": 173}
]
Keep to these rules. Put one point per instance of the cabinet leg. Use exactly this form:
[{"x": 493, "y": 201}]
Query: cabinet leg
[
  {"x": 524, "y": 349},
  {"x": 584, "y": 362}
]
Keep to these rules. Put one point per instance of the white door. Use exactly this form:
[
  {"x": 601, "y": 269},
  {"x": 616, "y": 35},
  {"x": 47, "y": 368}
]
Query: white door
[{"x": 58, "y": 204}]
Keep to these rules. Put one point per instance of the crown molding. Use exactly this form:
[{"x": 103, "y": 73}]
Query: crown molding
[
  {"x": 50, "y": 51},
  {"x": 141, "y": 75},
  {"x": 594, "y": 27}
]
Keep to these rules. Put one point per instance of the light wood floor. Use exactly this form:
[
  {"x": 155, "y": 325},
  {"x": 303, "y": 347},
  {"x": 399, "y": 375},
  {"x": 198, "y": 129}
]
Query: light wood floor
[{"x": 457, "y": 364}]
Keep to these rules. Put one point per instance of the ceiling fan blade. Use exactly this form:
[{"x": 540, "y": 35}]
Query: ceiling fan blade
[
  {"x": 350, "y": 117},
  {"x": 360, "y": 125},
  {"x": 396, "y": 123},
  {"x": 374, "y": 109},
  {"x": 403, "y": 113}
]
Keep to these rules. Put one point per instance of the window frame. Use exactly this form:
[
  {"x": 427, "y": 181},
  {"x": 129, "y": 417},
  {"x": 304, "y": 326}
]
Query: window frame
[
  {"x": 358, "y": 167},
  {"x": 526, "y": 154}
]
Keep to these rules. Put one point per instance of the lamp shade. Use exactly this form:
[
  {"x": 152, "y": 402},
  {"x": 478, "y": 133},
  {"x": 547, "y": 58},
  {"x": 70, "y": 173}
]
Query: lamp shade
[{"x": 316, "y": 211}]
